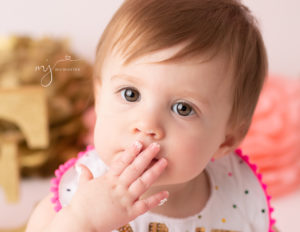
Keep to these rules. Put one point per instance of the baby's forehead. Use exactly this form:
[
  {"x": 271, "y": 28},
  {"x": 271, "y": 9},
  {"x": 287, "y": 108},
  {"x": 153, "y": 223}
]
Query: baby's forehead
[
  {"x": 206, "y": 64},
  {"x": 187, "y": 71},
  {"x": 164, "y": 57}
]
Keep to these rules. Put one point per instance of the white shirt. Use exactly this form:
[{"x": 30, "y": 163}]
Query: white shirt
[{"x": 238, "y": 199}]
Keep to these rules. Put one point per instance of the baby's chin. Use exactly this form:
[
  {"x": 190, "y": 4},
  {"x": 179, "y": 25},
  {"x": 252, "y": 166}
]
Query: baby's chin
[
  {"x": 168, "y": 179},
  {"x": 165, "y": 183}
]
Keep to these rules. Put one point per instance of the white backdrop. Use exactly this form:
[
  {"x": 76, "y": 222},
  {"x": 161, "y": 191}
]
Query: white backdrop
[{"x": 84, "y": 21}]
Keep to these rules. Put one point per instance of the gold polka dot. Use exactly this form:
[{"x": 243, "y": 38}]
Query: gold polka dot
[
  {"x": 223, "y": 220},
  {"x": 216, "y": 187}
]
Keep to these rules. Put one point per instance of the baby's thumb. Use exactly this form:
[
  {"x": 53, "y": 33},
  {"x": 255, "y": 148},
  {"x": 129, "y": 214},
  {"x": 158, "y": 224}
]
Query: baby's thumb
[{"x": 84, "y": 174}]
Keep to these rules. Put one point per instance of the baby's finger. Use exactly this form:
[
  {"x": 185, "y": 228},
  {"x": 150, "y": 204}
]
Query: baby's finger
[
  {"x": 118, "y": 165},
  {"x": 142, "y": 206},
  {"x": 84, "y": 174},
  {"x": 138, "y": 166},
  {"x": 138, "y": 187}
]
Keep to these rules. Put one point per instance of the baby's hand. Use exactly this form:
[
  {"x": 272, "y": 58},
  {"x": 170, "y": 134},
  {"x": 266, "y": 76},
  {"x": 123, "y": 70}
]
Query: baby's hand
[{"x": 112, "y": 200}]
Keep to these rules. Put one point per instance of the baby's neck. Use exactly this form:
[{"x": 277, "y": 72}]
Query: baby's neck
[{"x": 185, "y": 199}]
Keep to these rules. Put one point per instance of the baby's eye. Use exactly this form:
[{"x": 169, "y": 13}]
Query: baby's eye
[
  {"x": 130, "y": 94},
  {"x": 183, "y": 109}
]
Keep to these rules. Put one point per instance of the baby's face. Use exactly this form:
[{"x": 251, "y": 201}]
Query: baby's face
[{"x": 183, "y": 106}]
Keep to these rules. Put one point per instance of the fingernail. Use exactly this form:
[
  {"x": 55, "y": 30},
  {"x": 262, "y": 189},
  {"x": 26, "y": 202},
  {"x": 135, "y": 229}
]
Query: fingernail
[
  {"x": 154, "y": 145},
  {"x": 163, "y": 201},
  {"x": 138, "y": 145},
  {"x": 163, "y": 160}
]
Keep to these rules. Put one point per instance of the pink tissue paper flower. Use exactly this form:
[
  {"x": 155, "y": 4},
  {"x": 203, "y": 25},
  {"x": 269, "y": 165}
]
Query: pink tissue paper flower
[{"x": 273, "y": 140}]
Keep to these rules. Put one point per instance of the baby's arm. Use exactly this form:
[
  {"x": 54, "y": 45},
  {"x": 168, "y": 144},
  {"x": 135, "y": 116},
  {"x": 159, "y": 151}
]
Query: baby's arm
[
  {"x": 45, "y": 219},
  {"x": 109, "y": 201},
  {"x": 41, "y": 216}
]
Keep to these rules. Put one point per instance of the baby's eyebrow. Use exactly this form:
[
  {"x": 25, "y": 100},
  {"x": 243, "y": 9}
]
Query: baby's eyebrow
[
  {"x": 127, "y": 78},
  {"x": 195, "y": 96}
]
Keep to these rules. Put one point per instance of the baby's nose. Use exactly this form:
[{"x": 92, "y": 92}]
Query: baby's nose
[{"x": 148, "y": 127}]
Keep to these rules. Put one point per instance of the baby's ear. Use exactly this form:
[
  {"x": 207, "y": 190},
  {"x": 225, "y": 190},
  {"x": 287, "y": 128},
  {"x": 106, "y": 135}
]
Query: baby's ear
[{"x": 229, "y": 144}]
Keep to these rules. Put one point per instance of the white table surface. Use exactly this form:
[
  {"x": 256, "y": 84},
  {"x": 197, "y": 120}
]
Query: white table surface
[{"x": 287, "y": 208}]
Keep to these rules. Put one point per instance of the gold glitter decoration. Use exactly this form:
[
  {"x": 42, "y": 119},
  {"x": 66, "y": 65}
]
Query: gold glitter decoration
[
  {"x": 223, "y": 220},
  {"x": 161, "y": 227},
  {"x": 26, "y": 62},
  {"x": 20, "y": 229},
  {"x": 126, "y": 228},
  {"x": 216, "y": 187},
  {"x": 200, "y": 229},
  {"x": 32, "y": 120},
  {"x": 224, "y": 231},
  {"x": 158, "y": 227}
]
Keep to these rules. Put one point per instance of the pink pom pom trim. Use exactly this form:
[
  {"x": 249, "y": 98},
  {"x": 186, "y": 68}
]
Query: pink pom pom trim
[
  {"x": 58, "y": 175},
  {"x": 264, "y": 186}
]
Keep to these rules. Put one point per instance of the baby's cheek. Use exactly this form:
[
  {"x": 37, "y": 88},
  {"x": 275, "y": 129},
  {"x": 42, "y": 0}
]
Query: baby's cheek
[
  {"x": 192, "y": 169},
  {"x": 191, "y": 162},
  {"x": 102, "y": 143}
]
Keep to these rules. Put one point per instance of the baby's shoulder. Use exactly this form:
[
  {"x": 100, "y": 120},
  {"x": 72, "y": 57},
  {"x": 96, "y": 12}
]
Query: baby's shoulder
[{"x": 239, "y": 191}]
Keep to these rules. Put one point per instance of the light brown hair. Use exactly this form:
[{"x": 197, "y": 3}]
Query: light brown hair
[{"x": 141, "y": 27}]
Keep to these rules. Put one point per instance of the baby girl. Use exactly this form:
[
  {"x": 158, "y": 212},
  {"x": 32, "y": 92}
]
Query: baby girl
[{"x": 176, "y": 83}]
